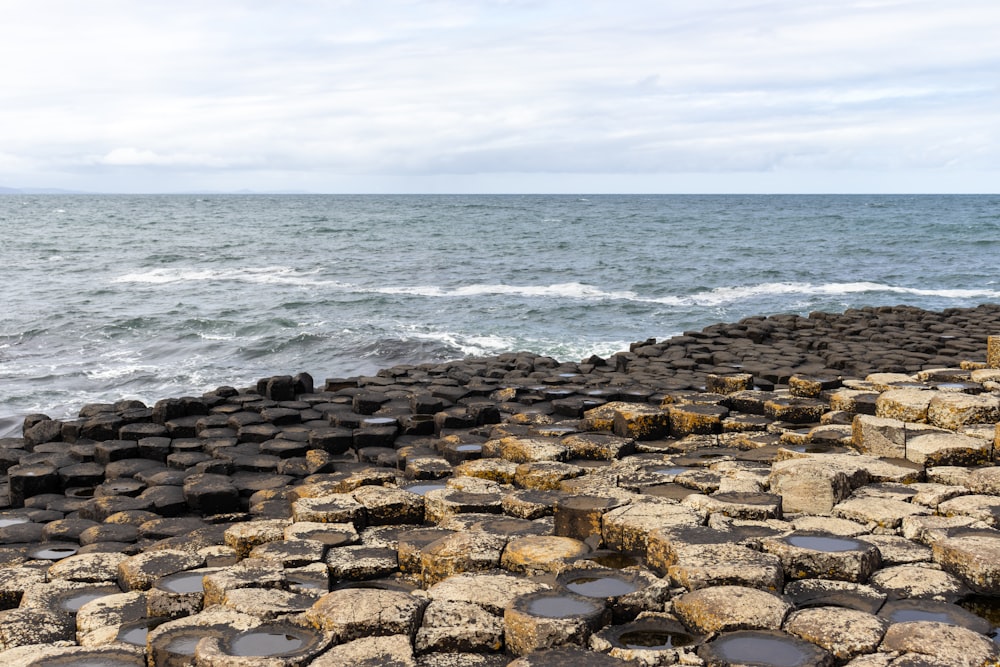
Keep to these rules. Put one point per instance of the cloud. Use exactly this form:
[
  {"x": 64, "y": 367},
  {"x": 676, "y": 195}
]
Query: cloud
[{"x": 400, "y": 87}]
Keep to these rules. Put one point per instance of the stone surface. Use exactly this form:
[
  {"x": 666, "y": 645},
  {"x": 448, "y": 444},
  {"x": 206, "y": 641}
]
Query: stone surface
[{"x": 725, "y": 608}]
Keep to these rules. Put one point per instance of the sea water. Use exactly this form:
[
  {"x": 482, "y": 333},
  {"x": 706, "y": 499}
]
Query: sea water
[{"x": 107, "y": 297}]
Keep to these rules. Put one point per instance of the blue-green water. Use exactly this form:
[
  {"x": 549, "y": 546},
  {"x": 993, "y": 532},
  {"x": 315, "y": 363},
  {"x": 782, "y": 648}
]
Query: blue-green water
[{"x": 109, "y": 297}]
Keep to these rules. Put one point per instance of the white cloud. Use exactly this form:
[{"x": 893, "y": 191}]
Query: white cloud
[{"x": 258, "y": 92}]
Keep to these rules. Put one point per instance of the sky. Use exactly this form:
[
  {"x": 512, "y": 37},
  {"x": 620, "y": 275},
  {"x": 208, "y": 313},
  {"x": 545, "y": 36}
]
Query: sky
[{"x": 467, "y": 96}]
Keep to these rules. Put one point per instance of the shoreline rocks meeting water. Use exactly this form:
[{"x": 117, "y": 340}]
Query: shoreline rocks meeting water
[{"x": 784, "y": 490}]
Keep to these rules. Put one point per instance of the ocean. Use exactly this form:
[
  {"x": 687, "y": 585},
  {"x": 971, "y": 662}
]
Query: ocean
[{"x": 106, "y": 297}]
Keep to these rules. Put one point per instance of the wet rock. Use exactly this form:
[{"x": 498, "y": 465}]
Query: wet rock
[
  {"x": 549, "y": 619},
  {"x": 807, "y": 555},
  {"x": 808, "y": 593},
  {"x": 763, "y": 648},
  {"x": 137, "y": 573},
  {"x": 597, "y": 446}
]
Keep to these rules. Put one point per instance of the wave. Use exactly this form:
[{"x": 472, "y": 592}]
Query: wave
[
  {"x": 267, "y": 275},
  {"x": 571, "y": 290},
  {"x": 726, "y": 295}
]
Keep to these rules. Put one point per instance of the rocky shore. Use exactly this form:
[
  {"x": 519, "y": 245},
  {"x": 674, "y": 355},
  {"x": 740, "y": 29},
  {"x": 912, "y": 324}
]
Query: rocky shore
[{"x": 784, "y": 490}]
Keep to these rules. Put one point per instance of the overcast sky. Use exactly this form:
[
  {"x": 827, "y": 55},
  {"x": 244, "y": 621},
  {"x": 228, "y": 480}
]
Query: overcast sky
[{"x": 501, "y": 95}]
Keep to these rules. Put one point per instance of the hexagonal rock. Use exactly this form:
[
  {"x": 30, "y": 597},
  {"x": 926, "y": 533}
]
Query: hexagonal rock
[
  {"x": 351, "y": 613},
  {"x": 391, "y": 651},
  {"x": 692, "y": 418},
  {"x": 579, "y": 517},
  {"x": 248, "y": 573},
  {"x": 809, "y": 486},
  {"x": 950, "y": 644},
  {"x": 493, "y": 591},
  {"x": 388, "y": 506},
  {"x": 948, "y": 449},
  {"x": 137, "y": 573},
  {"x": 918, "y": 582},
  {"x": 356, "y": 563},
  {"x": 953, "y": 410},
  {"x": 980, "y": 507},
  {"x": 805, "y": 593},
  {"x": 545, "y": 475},
  {"x": 724, "y": 608},
  {"x": 335, "y": 508},
  {"x": 908, "y": 405},
  {"x": 882, "y": 512},
  {"x": 640, "y": 422},
  {"x": 929, "y": 529},
  {"x": 525, "y": 450},
  {"x": 92, "y": 567},
  {"x": 550, "y": 618},
  {"x": 243, "y": 537},
  {"x": 331, "y": 534},
  {"x": 809, "y": 555},
  {"x": 737, "y": 505},
  {"x": 628, "y": 528},
  {"x": 598, "y": 446},
  {"x": 21, "y": 627},
  {"x": 843, "y": 632},
  {"x": 211, "y": 494},
  {"x": 886, "y": 437},
  {"x": 440, "y": 504},
  {"x": 973, "y": 557},
  {"x": 695, "y": 566},
  {"x": 795, "y": 410},
  {"x": 460, "y": 552},
  {"x": 455, "y": 627},
  {"x": 985, "y": 480},
  {"x": 565, "y": 657},
  {"x": 538, "y": 554},
  {"x": 496, "y": 470}
]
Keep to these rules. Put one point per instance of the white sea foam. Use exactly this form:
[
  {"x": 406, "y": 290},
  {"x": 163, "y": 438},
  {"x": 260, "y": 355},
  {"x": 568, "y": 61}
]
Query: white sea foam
[
  {"x": 267, "y": 275},
  {"x": 728, "y": 295},
  {"x": 560, "y": 290}
]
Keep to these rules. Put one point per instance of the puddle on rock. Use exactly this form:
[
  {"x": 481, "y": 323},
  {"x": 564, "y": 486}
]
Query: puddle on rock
[
  {"x": 13, "y": 521},
  {"x": 596, "y": 586},
  {"x": 137, "y": 633},
  {"x": 560, "y": 606},
  {"x": 469, "y": 448},
  {"x": 54, "y": 551},
  {"x": 183, "y": 644},
  {"x": 823, "y": 543},
  {"x": 73, "y": 601},
  {"x": 262, "y": 643},
  {"x": 901, "y": 611},
  {"x": 762, "y": 650},
  {"x": 183, "y": 582}
]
